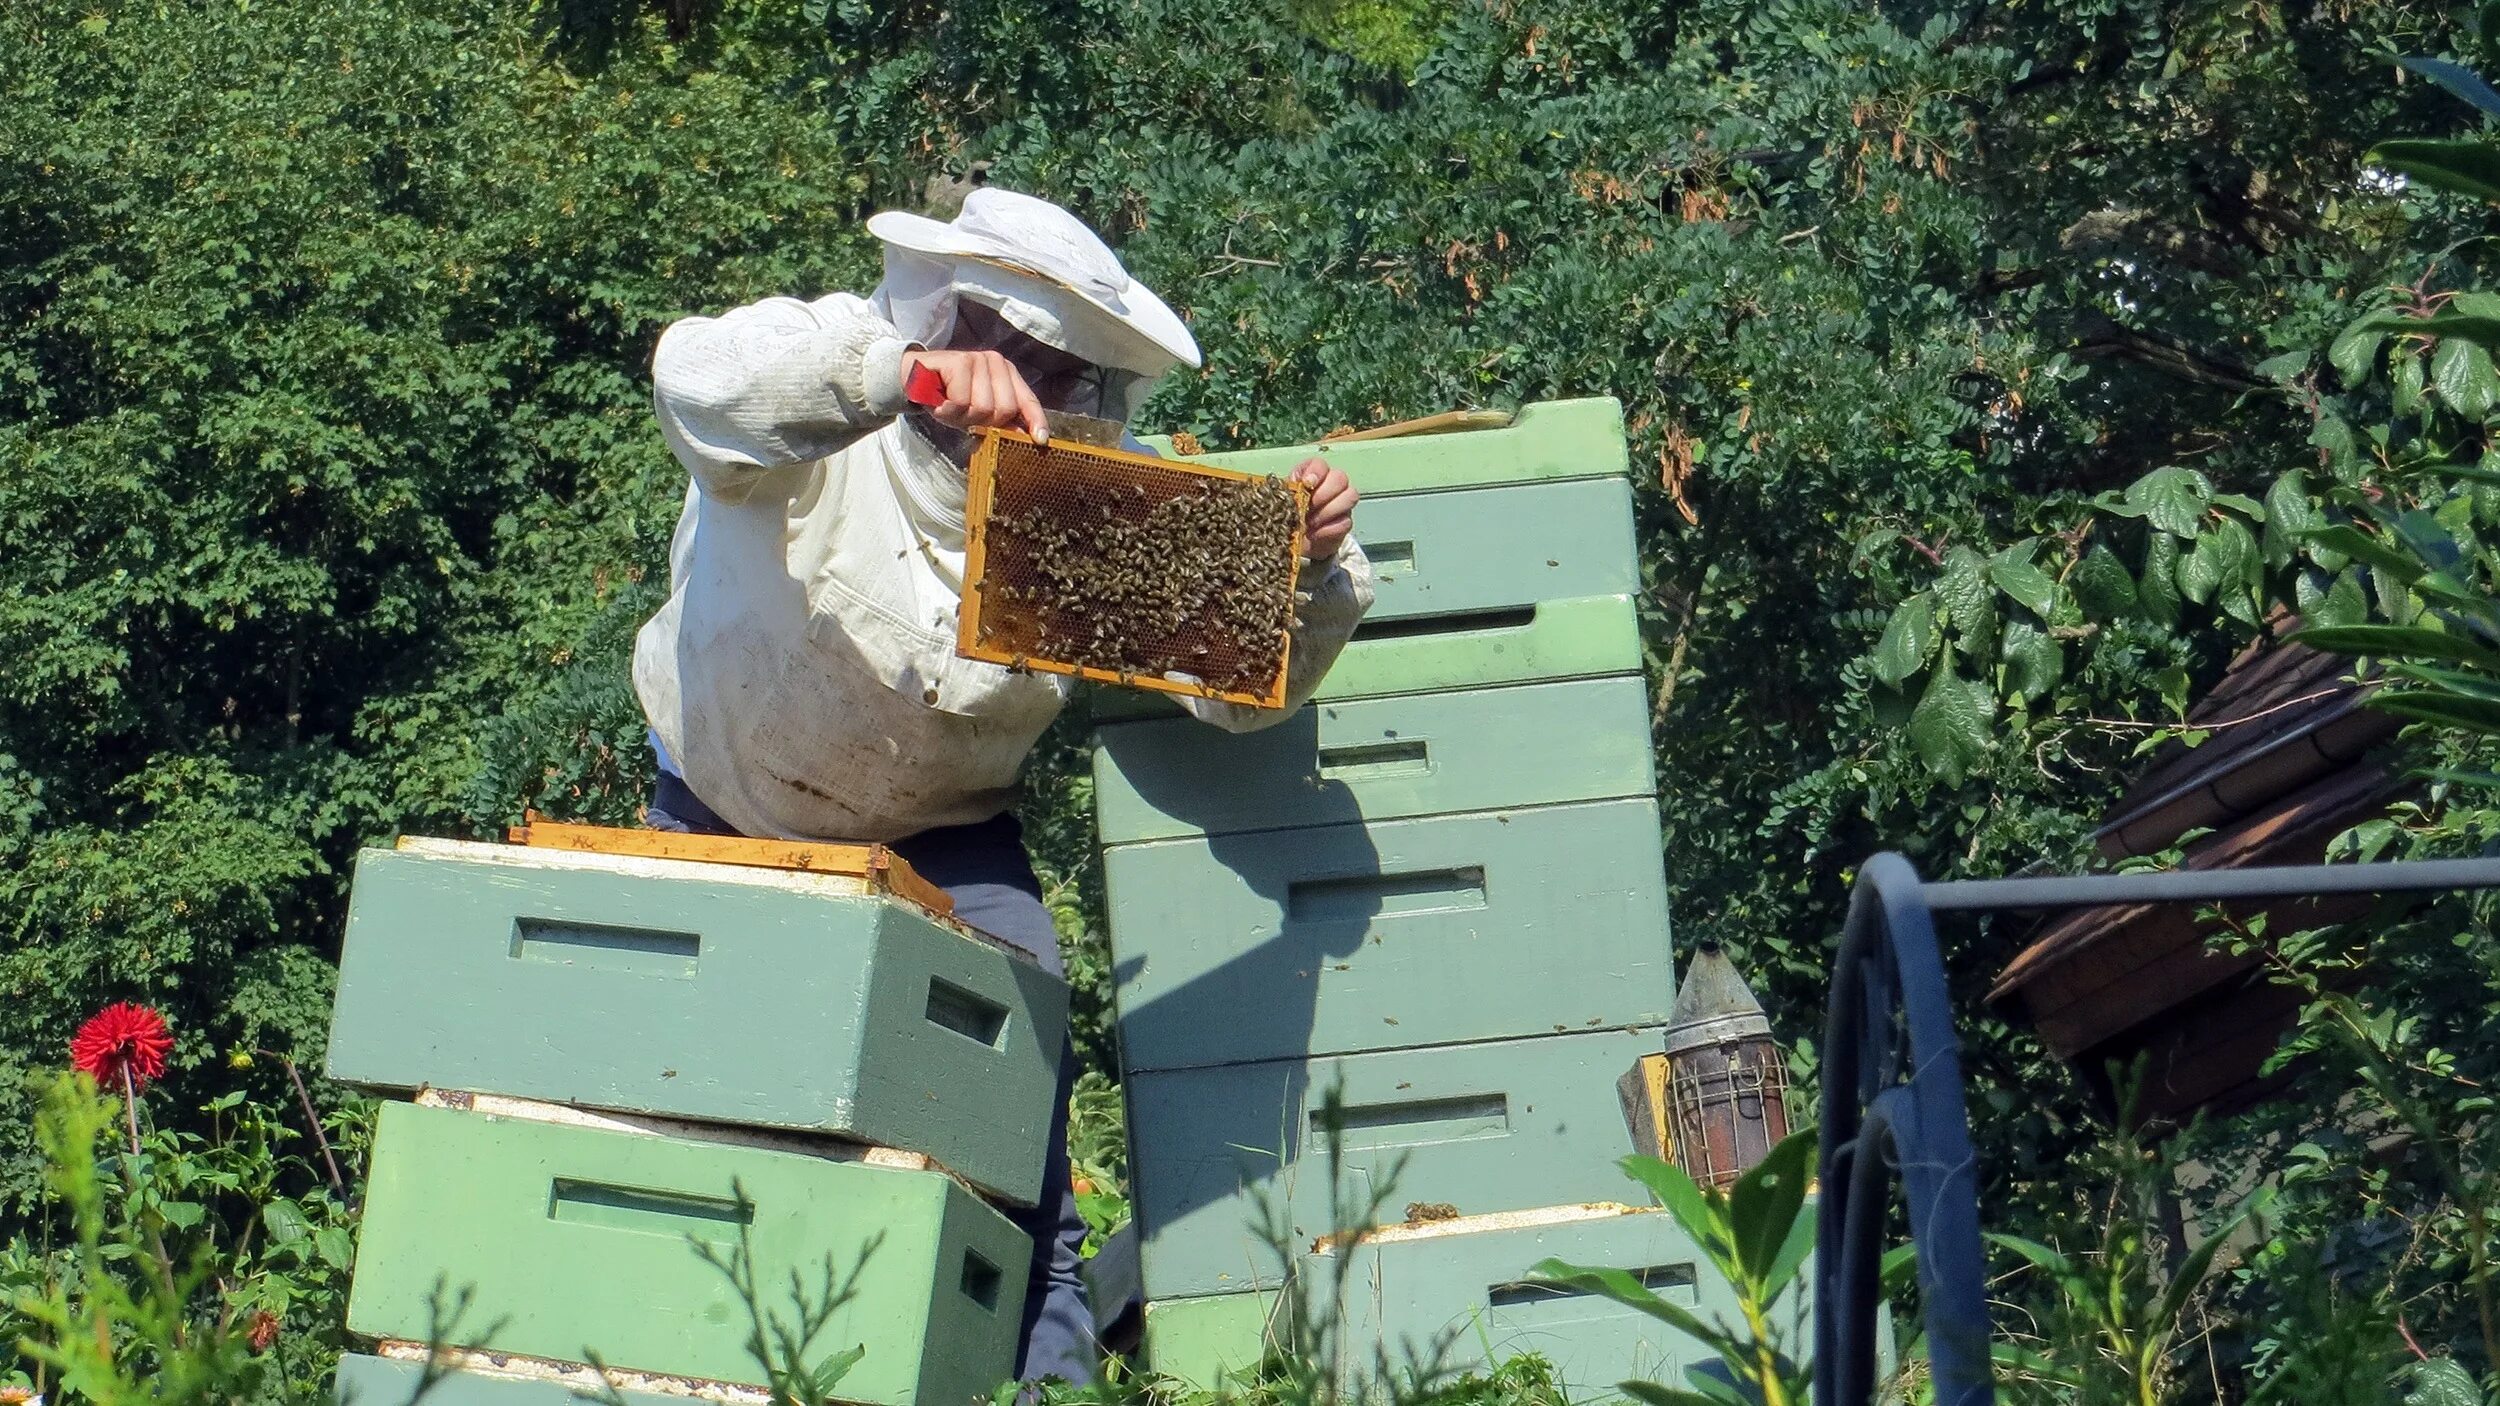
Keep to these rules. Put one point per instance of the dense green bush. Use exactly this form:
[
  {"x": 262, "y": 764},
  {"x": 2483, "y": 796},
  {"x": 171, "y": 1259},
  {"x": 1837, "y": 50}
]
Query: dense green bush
[{"x": 333, "y": 499}]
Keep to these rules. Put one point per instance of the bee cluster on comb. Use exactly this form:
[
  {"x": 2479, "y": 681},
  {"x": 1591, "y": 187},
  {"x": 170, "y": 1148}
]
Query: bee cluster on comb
[{"x": 1122, "y": 567}]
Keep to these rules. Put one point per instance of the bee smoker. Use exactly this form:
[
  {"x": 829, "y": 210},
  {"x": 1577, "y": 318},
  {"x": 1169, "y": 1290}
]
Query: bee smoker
[{"x": 1726, "y": 1079}]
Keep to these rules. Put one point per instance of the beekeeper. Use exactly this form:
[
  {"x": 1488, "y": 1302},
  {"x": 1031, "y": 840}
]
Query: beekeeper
[{"x": 802, "y": 681}]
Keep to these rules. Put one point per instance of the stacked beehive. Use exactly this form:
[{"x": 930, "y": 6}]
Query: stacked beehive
[
  {"x": 1437, "y": 896},
  {"x": 630, "y": 1071}
]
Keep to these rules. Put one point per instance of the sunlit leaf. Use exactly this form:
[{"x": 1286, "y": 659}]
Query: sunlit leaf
[{"x": 1908, "y": 640}]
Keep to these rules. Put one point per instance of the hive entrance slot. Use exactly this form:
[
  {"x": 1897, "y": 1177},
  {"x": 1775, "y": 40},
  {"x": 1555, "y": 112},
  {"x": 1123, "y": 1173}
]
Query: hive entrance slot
[
  {"x": 645, "y": 1210},
  {"x": 977, "y": 1019},
  {"x": 1366, "y": 760},
  {"x": 1672, "y": 1282},
  {"x": 1418, "y": 1122},
  {"x": 980, "y": 1281},
  {"x": 1462, "y": 622},
  {"x": 637, "y": 951},
  {"x": 1359, "y": 897}
]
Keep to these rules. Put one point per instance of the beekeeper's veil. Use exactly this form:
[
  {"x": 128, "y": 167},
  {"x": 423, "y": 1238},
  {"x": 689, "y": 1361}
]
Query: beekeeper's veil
[{"x": 1044, "y": 272}]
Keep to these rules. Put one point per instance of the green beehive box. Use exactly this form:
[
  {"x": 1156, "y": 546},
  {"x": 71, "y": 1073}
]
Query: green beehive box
[
  {"x": 714, "y": 992},
  {"x": 1458, "y": 1298},
  {"x": 1206, "y": 1342},
  {"x": 1501, "y": 556},
  {"x": 577, "y": 1241},
  {"x": 1444, "y": 561},
  {"x": 1291, "y": 943},
  {"x": 1233, "y": 1162},
  {"x": 1377, "y": 759},
  {"x": 377, "y": 1381},
  {"x": 1555, "y": 439},
  {"x": 1583, "y": 637}
]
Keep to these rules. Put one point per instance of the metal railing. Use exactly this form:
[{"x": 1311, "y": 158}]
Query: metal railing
[{"x": 1892, "y": 1093}]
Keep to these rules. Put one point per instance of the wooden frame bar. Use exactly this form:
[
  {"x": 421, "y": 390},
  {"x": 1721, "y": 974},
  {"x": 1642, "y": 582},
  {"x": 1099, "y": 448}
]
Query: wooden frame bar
[{"x": 880, "y": 868}]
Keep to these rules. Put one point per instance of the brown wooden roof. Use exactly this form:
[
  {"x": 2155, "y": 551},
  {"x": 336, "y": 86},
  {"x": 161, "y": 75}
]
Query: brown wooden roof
[
  {"x": 2282, "y": 717},
  {"x": 2287, "y": 765}
]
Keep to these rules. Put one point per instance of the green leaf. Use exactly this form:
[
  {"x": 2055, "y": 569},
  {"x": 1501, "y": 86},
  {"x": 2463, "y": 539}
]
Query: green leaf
[
  {"x": 2333, "y": 436},
  {"x": 2466, "y": 473},
  {"x": 2475, "y": 715},
  {"x": 2014, "y": 574},
  {"x": 1963, "y": 587},
  {"x": 181, "y": 1215},
  {"x": 1792, "y": 1256},
  {"x": 1717, "y": 1384},
  {"x": 2157, "y": 590},
  {"x": 2394, "y": 602},
  {"x": 2355, "y": 349},
  {"x": 1615, "y": 1284},
  {"x": 2101, "y": 584},
  {"x": 2463, "y": 372},
  {"x": 2070, "y": 1279},
  {"x": 2013, "y": 1359},
  {"x": 285, "y": 1222},
  {"x": 1950, "y": 725},
  {"x": 2409, "y": 384},
  {"x": 334, "y": 1247},
  {"x": 2308, "y": 591},
  {"x": 2290, "y": 512},
  {"x": 1909, "y": 638},
  {"x": 2034, "y": 662},
  {"x": 2457, "y": 79},
  {"x": 2448, "y": 680},
  {"x": 830, "y": 1372},
  {"x": 2243, "y": 567},
  {"x": 1657, "y": 1395},
  {"x": 1693, "y": 1208},
  {"x": 2473, "y": 327},
  {"x": 2172, "y": 499},
  {"x": 2039, "y": 1254},
  {"x": 2399, "y": 642},
  {"x": 2443, "y": 1381},
  {"x": 2429, "y": 542},
  {"x": 2346, "y": 602},
  {"x": 2360, "y": 546},
  {"x": 1764, "y": 1203},
  {"x": 2467, "y": 166},
  {"x": 2205, "y": 569},
  {"x": 2191, "y": 1272}
]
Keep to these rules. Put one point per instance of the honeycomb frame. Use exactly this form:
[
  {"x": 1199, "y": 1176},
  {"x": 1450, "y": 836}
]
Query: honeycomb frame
[{"x": 987, "y": 632}]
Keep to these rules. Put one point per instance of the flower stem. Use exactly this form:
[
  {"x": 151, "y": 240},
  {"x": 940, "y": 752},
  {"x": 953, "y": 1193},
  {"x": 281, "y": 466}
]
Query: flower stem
[
  {"x": 156, "y": 1241},
  {"x": 312, "y": 1120},
  {"x": 130, "y": 1111}
]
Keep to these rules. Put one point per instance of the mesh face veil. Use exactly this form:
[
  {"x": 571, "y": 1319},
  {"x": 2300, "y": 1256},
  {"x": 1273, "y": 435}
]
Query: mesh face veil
[
  {"x": 930, "y": 301},
  {"x": 1059, "y": 379}
]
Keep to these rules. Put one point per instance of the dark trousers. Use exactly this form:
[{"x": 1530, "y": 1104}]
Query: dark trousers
[{"x": 985, "y": 870}]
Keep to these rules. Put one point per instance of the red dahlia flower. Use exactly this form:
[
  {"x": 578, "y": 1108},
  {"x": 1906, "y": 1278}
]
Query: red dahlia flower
[{"x": 122, "y": 1039}]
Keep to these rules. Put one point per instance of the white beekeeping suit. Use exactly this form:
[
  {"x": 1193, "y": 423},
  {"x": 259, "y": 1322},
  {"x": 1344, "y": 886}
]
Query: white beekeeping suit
[{"x": 802, "y": 677}]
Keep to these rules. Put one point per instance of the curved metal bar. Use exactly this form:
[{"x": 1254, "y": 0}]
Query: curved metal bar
[{"x": 1888, "y": 993}]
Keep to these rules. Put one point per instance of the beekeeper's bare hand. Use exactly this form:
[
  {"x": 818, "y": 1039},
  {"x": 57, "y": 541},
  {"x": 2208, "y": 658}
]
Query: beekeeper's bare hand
[
  {"x": 1331, "y": 514},
  {"x": 983, "y": 389}
]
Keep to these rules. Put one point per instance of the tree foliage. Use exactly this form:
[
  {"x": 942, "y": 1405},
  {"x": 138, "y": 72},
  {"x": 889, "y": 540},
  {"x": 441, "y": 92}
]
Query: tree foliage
[{"x": 1988, "y": 372}]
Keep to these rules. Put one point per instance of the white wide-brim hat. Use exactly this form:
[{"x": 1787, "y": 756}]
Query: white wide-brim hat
[{"x": 1024, "y": 238}]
